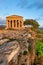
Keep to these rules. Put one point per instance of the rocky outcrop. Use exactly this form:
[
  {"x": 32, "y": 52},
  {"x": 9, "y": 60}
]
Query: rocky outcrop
[
  {"x": 17, "y": 47},
  {"x": 8, "y": 51}
]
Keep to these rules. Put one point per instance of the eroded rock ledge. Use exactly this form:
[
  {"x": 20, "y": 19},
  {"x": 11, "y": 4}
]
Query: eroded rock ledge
[{"x": 17, "y": 47}]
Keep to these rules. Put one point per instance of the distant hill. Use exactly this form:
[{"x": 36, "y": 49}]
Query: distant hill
[
  {"x": 2, "y": 27},
  {"x": 41, "y": 28}
]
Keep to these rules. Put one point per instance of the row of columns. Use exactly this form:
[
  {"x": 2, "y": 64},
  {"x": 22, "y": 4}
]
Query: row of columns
[{"x": 14, "y": 24}]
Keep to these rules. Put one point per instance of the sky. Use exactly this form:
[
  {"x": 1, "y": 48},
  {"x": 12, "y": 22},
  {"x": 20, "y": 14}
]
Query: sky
[{"x": 29, "y": 9}]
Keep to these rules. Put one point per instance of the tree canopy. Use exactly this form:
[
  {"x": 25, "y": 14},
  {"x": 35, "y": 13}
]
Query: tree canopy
[{"x": 32, "y": 22}]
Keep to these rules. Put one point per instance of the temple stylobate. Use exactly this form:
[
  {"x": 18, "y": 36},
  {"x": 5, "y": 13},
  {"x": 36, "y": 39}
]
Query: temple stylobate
[{"x": 14, "y": 22}]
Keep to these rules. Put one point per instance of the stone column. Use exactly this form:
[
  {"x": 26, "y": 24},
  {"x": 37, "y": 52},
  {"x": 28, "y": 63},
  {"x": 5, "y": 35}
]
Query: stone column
[
  {"x": 9, "y": 24},
  {"x": 6, "y": 23},
  {"x": 12, "y": 23},
  {"x": 19, "y": 24},
  {"x": 22, "y": 24}
]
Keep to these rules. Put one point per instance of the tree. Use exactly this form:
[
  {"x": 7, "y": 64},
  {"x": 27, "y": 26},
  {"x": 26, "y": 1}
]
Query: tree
[{"x": 32, "y": 22}]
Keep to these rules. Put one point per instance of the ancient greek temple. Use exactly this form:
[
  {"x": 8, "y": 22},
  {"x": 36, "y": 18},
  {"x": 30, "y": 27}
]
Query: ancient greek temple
[{"x": 14, "y": 22}]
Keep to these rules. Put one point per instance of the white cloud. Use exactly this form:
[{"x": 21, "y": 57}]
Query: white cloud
[{"x": 2, "y": 20}]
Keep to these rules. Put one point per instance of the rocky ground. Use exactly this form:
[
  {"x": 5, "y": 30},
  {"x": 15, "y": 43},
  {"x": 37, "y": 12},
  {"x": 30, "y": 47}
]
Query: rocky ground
[{"x": 16, "y": 41}]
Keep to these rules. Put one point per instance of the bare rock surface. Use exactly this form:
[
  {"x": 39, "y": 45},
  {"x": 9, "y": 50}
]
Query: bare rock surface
[
  {"x": 12, "y": 43},
  {"x": 8, "y": 51}
]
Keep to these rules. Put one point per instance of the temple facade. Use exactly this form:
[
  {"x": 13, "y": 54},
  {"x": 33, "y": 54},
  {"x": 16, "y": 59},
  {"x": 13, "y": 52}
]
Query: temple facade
[{"x": 14, "y": 22}]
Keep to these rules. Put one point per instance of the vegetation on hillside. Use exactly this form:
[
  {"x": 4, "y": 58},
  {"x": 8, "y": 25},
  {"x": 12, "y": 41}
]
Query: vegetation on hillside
[
  {"x": 39, "y": 40},
  {"x": 32, "y": 22},
  {"x": 39, "y": 48}
]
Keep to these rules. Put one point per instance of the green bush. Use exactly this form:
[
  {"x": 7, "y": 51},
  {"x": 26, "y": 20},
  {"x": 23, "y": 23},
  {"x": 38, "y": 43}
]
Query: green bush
[
  {"x": 42, "y": 40},
  {"x": 39, "y": 48}
]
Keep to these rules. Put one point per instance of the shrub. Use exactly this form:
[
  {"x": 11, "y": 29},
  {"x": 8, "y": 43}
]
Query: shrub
[{"x": 39, "y": 48}]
